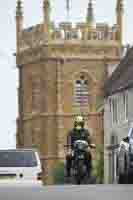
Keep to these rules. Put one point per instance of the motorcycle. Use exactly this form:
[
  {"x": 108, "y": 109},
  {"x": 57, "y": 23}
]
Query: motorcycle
[{"x": 79, "y": 168}]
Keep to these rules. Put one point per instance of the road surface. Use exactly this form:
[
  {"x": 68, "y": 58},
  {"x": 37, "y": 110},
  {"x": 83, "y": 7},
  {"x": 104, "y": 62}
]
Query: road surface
[{"x": 70, "y": 192}]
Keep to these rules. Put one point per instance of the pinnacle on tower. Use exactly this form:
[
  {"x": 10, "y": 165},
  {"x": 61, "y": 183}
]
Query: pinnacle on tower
[
  {"x": 46, "y": 12},
  {"x": 119, "y": 7},
  {"x": 19, "y": 22},
  {"x": 119, "y": 19},
  {"x": 46, "y": 8},
  {"x": 19, "y": 8},
  {"x": 19, "y": 16},
  {"x": 90, "y": 15},
  {"x": 46, "y": 3}
]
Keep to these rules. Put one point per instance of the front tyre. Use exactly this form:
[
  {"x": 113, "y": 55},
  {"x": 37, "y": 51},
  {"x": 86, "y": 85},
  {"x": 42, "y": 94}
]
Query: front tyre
[{"x": 80, "y": 172}]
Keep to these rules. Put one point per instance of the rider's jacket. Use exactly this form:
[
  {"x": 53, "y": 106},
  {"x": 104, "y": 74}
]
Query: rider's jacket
[{"x": 74, "y": 134}]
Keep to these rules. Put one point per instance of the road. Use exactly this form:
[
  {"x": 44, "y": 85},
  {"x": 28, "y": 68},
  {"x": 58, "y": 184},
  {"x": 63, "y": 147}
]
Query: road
[{"x": 70, "y": 192}]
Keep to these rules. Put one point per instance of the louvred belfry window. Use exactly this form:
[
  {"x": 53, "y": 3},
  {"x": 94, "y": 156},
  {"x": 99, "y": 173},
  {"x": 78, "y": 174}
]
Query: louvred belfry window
[{"x": 81, "y": 92}]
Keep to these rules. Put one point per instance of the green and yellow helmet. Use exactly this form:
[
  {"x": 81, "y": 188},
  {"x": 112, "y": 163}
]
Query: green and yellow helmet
[{"x": 79, "y": 122}]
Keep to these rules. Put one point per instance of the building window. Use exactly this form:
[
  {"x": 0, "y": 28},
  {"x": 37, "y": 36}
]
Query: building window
[
  {"x": 125, "y": 102},
  {"x": 68, "y": 35},
  {"x": 74, "y": 35},
  {"x": 100, "y": 35},
  {"x": 110, "y": 105},
  {"x": 81, "y": 92},
  {"x": 113, "y": 159},
  {"x": 114, "y": 110},
  {"x": 94, "y": 35},
  {"x": 89, "y": 35}
]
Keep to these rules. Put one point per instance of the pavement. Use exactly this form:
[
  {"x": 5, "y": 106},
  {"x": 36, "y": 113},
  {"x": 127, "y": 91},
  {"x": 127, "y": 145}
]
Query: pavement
[
  {"x": 66, "y": 192},
  {"x": 17, "y": 183}
]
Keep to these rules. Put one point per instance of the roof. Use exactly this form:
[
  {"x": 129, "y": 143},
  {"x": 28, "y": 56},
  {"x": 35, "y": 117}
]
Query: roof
[
  {"x": 18, "y": 149},
  {"x": 122, "y": 78}
]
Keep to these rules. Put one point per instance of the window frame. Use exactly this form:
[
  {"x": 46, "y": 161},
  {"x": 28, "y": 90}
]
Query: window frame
[
  {"x": 81, "y": 92},
  {"x": 114, "y": 110},
  {"x": 125, "y": 105}
]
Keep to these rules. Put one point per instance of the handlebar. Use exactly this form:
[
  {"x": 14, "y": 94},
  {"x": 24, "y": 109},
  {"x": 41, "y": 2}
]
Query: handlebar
[
  {"x": 67, "y": 145},
  {"x": 91, "y": 145}
]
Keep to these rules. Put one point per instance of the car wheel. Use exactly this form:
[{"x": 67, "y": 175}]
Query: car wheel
[
  {"x": 122, "y": 176},
  {"x": 122, "y": 179}
]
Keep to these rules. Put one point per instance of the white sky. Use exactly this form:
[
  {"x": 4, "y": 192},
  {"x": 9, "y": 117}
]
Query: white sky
[{"x": 104, "y": 12}]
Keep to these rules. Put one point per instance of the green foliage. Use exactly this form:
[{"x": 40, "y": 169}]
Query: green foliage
[
  {"x": 98, "y": 164},
  {"x": 58, "y": 173},
  {"x": 98, "y": 168}
]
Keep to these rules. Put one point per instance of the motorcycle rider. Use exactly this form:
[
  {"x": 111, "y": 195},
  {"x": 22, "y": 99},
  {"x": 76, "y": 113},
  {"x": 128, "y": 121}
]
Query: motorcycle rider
[{"x": 78, "y": 133}]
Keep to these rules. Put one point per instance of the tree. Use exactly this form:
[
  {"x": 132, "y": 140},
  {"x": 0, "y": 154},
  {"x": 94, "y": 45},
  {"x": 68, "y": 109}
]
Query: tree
[
  {"x": 58, "y": 173},
  {"x": 98, "y": 164}
]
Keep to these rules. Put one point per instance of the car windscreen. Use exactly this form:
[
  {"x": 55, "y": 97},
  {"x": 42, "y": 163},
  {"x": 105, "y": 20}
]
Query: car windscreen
[{"x": 17, "y": 159}]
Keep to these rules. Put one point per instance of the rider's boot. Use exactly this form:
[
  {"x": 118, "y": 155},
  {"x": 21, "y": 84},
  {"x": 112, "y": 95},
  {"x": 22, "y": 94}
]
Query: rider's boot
[
  {"x": 89, "y": 165},
  {"x": 68, "y": 166}
]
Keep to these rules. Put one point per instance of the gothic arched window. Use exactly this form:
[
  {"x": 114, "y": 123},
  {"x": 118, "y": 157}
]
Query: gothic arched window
[{"x": 81, "y": 91}]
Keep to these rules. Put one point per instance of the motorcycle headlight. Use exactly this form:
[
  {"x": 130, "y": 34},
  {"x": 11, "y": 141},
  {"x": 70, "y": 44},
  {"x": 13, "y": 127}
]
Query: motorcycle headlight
[{"x": 81, "y": 146}]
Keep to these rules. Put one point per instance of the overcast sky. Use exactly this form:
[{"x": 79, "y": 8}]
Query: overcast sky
[{"x": 104, "y": 12}]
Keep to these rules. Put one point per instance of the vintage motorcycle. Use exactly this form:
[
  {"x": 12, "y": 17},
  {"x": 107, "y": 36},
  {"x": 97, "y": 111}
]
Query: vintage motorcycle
[{"x": 79, "y": 169}]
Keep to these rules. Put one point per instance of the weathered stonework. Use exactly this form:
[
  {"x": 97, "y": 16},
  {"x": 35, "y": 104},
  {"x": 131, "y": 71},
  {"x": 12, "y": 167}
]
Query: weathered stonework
[{"x": 49, "y": 63}]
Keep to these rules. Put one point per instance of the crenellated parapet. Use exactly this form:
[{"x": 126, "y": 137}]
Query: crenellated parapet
[
  {"x": 81, "y": 33},
  {"x": 99, "y": 32},
  {"x": 33, "y": 37}
]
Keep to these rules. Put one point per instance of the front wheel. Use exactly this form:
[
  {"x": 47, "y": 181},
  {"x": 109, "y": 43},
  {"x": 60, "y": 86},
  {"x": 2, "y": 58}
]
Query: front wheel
[{"x": 80, "y": 172}]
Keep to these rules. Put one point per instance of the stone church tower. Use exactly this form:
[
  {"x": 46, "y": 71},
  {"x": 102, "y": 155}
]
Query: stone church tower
[{"x": 62, "y": 70}]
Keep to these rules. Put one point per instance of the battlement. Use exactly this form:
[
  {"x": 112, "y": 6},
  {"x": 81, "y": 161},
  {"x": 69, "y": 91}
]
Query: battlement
[
  {"x": 87, "y": 30},
  {"x": 35, "y": 35}
]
